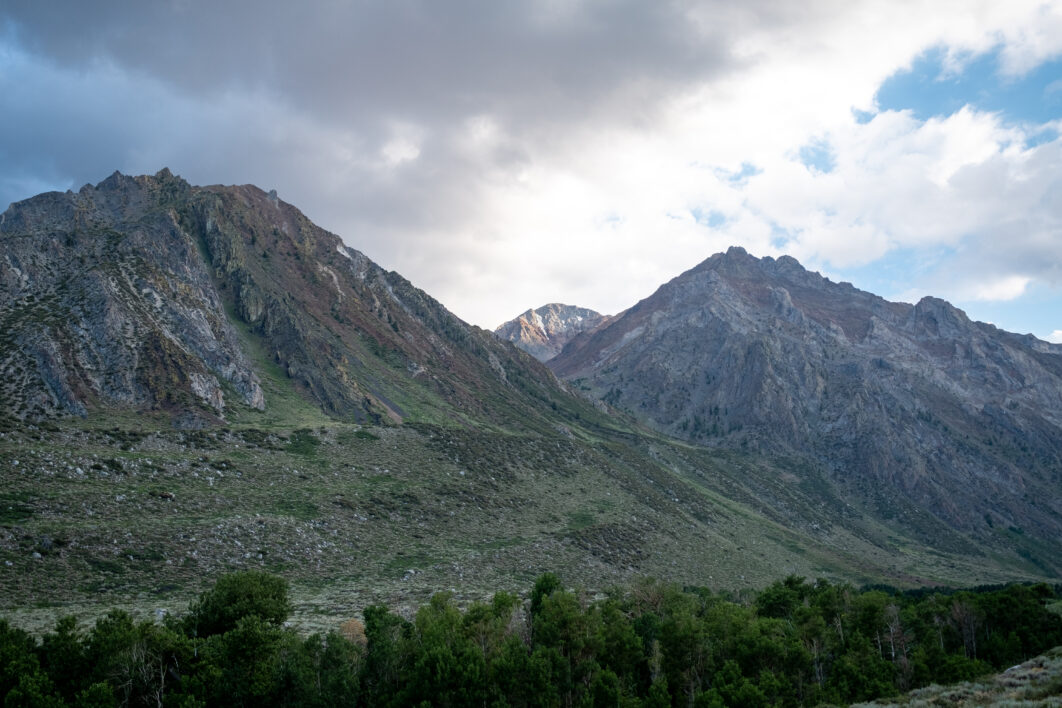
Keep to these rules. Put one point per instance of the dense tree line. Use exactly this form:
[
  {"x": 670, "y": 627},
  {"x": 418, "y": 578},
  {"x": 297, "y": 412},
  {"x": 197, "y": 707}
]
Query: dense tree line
[{"x": 797, "y": 643}]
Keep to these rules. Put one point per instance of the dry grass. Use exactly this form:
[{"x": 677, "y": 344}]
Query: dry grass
[{"x": 351, "y": 516}]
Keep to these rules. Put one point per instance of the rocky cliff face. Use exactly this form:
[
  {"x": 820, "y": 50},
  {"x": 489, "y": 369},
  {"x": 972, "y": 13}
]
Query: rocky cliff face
[
  {"x": 544, "y": 331},
  {"x": 150, "y": 294},
  {"x": 104, "y": 298},
  {"x": 912, "y": 408}
]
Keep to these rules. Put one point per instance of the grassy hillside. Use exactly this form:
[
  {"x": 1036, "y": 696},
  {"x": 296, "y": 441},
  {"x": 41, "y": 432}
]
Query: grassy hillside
[{"x": 120, "y": 510}]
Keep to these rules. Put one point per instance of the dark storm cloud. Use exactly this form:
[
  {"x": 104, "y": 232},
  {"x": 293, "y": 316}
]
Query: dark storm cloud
[
  {"x": 363, "y": 62},
  {"x": 303, "y": 96}
]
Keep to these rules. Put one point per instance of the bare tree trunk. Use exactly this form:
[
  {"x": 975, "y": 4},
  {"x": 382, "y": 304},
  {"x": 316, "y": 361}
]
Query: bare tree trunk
[{"x": 964, "y": 617}]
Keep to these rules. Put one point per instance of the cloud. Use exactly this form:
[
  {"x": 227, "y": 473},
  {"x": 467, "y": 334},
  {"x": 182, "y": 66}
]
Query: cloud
[
  {"x": 509, "y": 154},
  {"x": 404, "y": 60},
  {"x": 1008, "y": 287},
  {"x": 1055, "y": 336},
  {"x": 901, "y": 183}
]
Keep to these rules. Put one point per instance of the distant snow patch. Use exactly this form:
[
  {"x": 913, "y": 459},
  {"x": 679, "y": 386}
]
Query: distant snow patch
[{"x": 537, "y": 320}]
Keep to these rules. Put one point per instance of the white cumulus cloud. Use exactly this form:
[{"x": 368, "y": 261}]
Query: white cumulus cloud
[{"x": 510, "y": 154}]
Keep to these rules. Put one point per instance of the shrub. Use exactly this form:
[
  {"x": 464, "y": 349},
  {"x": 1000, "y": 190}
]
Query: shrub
[{"x": 238, "y": 595}]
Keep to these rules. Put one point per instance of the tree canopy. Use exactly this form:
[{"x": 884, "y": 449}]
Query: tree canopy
[{"x": 654, "y": 644}]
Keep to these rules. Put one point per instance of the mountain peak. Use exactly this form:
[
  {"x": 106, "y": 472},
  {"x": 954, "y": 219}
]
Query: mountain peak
[
  {"x": 734, "y": 256},
  {"x": 958, "y": 418},
  {"x": 114, "y": 180},
  {"x": 737, "y": 259},
  {"x": 150, "y": 294},
  {"x": 543, "y": 331},
  {"x": 934, "y": 317}
]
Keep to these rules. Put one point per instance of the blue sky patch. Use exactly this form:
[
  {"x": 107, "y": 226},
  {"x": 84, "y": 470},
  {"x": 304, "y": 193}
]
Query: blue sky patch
[
  {"x": 708, "y": 217},
  {"x": 747, "y": 170},
  {"x": 817, "y": 155},
  {"x": 862, "y": 117},
  {"x": 929, "y": 89},
  {"x": 894, "y": 272},
  {"x": 1046, "y": 135},
  {"x": 1034, "y": 312}
]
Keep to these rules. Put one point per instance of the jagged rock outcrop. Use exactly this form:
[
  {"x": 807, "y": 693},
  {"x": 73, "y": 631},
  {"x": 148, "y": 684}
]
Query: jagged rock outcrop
[
  {"x": 149, "y": 293},
  {"x": 105, "y": 298},
  {"x": 544, "y": 331},
  {"x": 913, "y": 408}
]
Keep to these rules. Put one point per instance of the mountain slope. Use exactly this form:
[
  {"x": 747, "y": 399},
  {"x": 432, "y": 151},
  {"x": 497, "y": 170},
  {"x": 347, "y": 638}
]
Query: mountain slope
[
  {"x": 135, "y": 293},
  {"x": 909, "y": 407},
  {"x": 544, "y": 331},
  {"x": 338, "y": 425}
]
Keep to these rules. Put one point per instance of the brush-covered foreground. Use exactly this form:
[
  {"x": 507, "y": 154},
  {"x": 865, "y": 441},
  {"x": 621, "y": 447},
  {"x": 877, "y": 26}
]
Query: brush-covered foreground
[
  {"x": 1036, "y": 682},
  {"x": 651, "y": 644},
  {"x": 141, "y": 515}
]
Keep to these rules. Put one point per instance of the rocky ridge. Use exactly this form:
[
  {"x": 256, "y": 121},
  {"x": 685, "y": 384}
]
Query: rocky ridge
[
  {"x": 103, "y": 297},
  {"x": 149, "y": 293},
  {"x": 543, "y": 331},
  {"x": 909, "y": 407}
]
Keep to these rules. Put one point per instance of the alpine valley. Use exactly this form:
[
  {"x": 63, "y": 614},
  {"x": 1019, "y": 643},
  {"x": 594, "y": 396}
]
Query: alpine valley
[{"x": 198, "y": 379}]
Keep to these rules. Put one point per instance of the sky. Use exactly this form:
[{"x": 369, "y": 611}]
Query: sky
[{"x": 503, "y": 155}]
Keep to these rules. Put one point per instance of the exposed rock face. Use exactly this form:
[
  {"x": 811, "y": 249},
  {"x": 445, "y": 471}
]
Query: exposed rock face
[
  {"x": 544, "y": 331},
  {"x": 132, "y": 293},
  {"x": 105, "y": 298},
  {"x": 912, "y": 407}
]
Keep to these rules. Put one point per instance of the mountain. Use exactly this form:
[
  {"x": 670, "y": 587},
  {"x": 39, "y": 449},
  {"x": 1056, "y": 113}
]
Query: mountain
[
  {"x": 198, "y": 379},
  {"x": 914, "y": 409},
  {"x": 148, "y": 293},
  {"x": 544, "y": 331}
]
